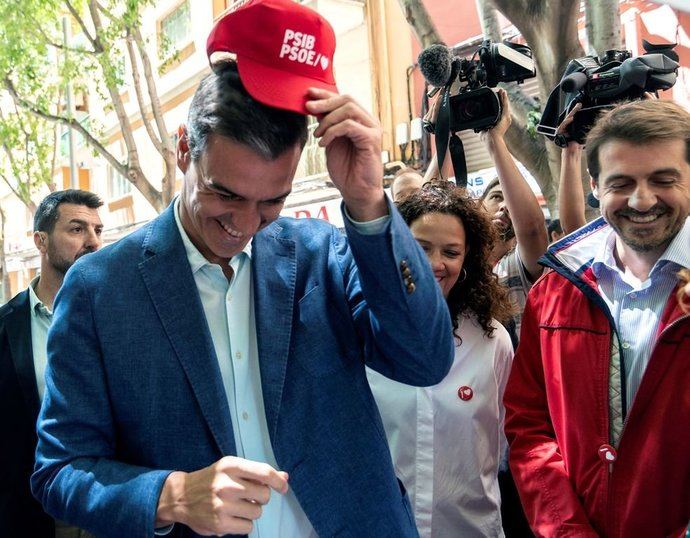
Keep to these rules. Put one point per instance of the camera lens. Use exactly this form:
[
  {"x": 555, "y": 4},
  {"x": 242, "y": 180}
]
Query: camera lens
[{"x": 470, "y": 109}]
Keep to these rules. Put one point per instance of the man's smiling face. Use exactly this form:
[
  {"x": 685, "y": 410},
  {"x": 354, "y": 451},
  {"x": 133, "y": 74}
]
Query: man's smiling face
[{"x": 644, "y": 191}]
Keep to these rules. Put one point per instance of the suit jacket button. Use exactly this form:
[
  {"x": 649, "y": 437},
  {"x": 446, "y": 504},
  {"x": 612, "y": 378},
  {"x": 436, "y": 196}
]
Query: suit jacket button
[
  {"x": 403, "y": 264},
  {"x": 411, "y": 287},
  {"x": 406, "y": 271}
]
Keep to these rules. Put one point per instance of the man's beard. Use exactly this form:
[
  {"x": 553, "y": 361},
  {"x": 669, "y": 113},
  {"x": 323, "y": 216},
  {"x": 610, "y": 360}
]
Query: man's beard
[
  {"x": 642, "y": 243},
  {"x": 62, "y": 264},
  {"x": 505, "y": 233}
]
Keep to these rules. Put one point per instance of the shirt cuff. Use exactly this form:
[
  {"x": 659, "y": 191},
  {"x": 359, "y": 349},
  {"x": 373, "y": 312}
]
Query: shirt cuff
[
  {"x": 371, "y": 227},
  {"x": 163, "y": 530}
]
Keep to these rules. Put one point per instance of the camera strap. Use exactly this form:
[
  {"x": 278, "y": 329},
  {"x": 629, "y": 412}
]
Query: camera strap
[
  {"x": 457, "y": 157},
  {"x": 447, "y": 141}
]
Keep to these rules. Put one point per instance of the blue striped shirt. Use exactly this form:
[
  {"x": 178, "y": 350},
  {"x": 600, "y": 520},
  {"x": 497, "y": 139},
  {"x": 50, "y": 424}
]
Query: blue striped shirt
[{"x": 637, "y": 307}]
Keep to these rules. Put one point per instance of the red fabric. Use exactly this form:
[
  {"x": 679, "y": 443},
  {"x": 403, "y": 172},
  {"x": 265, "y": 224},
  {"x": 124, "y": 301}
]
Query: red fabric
[
  {"x": 282, "y": 49},
  {"x": 557, "y": 422}
]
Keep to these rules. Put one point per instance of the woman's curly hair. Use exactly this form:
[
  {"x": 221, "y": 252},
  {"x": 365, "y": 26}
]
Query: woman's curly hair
[{"x": 479, "y": 292}]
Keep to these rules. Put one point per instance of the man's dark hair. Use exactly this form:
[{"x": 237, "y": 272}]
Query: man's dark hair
[
  {"x": 638, "y": 122},
  {"x": 478, "y": 292},
  {"x": 495, "y": 181},
  {"x": 221, "y": 105},
  {"x": 554, "y": 226},
  {"x": 48, "y": 212}
]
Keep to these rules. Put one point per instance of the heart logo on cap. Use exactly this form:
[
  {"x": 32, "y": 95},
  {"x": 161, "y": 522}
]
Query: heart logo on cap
[{"x": 324, "y": 63}]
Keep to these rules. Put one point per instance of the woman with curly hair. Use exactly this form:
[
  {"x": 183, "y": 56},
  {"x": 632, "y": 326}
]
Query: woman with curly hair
[{"x": 447, "y": 440}]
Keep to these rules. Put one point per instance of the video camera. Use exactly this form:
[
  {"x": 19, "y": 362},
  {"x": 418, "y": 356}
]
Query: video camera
[
  {"x": 598, "y": 83},
  {"x": 473, "y": 105}
]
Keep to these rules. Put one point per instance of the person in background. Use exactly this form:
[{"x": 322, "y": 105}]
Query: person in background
[
  {"x": 405, "y": 182},
  {"x": 66, "y": 227},
  {"x": 447, "y": 440},
  {"x": 554, "y": 230},
  {"x": 597, "y": 406},
  {"x": 516, "y": 215}
]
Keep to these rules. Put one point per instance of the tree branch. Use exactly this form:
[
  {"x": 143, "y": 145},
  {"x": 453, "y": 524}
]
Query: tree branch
[
  {"x": 94, "y": 43},
  {"x": 418, "y": 18},
  {"x": 69, "y": 122},
  {"x": 489, "y": 21},
  {"x": 134, "y": 171},
  {"x": 140, "y": 97},
  {"x": 60, "y": 46},
  {"x": 603, "y": 25},
  {"x": 151, "y": 87}
]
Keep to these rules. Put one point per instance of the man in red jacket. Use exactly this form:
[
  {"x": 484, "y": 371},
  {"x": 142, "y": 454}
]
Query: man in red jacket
[{"x": 597, "y": 405}]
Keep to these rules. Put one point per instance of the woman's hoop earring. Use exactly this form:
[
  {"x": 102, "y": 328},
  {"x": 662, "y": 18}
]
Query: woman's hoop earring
[{"x": 464, "y": 275}]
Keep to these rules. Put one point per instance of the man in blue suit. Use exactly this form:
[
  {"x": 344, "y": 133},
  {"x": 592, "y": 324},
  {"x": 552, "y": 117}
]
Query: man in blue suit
[{"x": 206, "y": 374}]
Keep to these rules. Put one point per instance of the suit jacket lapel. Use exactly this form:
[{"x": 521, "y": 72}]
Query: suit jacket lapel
[
  {"x": 170, "y": 283},
  {"x": 275, "y": 270},
  {"x": 18, "y": 323}
]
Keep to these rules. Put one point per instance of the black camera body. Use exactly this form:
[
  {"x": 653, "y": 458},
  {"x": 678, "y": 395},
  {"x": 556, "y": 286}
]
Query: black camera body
[
  {"x": 473, "y": 104},
  {"x": 598, "y": 83},
  {"x": 467, "y": 82}
]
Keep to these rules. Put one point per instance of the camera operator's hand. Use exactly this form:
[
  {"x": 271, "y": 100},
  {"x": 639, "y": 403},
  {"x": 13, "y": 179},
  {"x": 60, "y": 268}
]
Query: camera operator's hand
[
  {"x": 352, "y": 138},
  {"x": 571, "y": 197},
  {"x": 562, "y": 129},
  {"x": 499, "y": 130}
]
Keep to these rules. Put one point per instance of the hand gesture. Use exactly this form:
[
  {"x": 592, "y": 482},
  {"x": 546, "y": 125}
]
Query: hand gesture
[
  {"x": 352, "y": 138},
  {"x": 223, "y": 498}
]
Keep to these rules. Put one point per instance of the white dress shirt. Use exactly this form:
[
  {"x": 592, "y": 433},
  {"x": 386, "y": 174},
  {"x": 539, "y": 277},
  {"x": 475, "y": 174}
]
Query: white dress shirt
[
  {"x": 229, "y": 310},
  {"x": 447, "y": 440},
  {"x": 41, "y": 318}
]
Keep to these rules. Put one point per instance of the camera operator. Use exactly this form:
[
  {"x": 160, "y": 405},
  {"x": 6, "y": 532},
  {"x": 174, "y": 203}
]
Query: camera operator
[{"x": 517, "y": 216}]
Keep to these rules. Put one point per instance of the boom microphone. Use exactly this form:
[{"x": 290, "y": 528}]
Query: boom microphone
[{"x": 436, "y": 64}]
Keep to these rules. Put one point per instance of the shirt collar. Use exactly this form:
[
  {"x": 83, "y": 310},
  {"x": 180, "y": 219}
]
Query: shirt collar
[
  {"x": 677, "y": 252},
  {"x": 196, "y": 259},
  {"x": 37, "y": 307},
  {"x": 604, "y": 258}
]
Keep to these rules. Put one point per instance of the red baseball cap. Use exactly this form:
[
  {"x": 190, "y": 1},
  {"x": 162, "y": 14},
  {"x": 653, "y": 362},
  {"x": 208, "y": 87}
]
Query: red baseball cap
[{"x": 282, "y": 49}]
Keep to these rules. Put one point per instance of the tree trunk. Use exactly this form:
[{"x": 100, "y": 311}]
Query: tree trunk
[
  {"x": 530, "y": 150},
  {"x": 418, "y": 18},
  {"x": 603, "y": 25}
]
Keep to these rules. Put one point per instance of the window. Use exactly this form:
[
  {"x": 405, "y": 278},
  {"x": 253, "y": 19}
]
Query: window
[
  {"x": 118, "y": 185},
  {"x": 175, "y": 42}
]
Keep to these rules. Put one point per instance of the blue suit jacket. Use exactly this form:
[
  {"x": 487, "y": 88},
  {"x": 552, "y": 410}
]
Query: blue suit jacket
[{"x": 134, "y": 389}]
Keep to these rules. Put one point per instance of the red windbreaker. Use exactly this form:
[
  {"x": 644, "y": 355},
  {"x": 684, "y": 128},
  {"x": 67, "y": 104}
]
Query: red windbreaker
[{"x": 572, "y": 481}]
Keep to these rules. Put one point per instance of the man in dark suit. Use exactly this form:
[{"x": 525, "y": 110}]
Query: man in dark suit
[
  {"x": 66, "y": 226},
  {"x": 207, "y": 373}
]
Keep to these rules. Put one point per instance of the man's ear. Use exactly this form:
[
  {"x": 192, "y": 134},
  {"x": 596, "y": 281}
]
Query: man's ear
[
  {"x": 183, "y": 155},
  {"x": 40, "y": 241},
  {"x": 595, "y": 187}
]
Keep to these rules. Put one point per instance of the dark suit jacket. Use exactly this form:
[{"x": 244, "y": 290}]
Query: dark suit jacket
[
  {"x": 20, "y": 513},
  {"x": 133, "y": 386}
]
